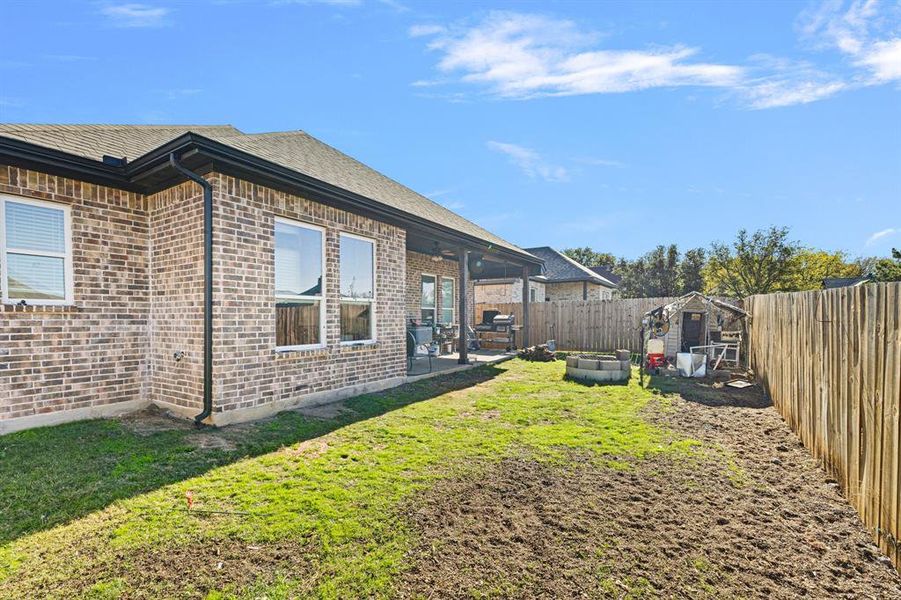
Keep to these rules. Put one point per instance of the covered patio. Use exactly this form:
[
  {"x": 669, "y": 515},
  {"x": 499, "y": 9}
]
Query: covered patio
[
  {"x": 450, "y": 363},
  {"x": 440, "y": 270}
]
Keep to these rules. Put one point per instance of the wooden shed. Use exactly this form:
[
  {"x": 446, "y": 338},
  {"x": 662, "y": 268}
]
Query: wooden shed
[{"x": 695, "y": 320}]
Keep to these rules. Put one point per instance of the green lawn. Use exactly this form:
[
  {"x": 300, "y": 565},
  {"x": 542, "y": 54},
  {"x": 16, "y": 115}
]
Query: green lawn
[{"x": 296, "y": 506}]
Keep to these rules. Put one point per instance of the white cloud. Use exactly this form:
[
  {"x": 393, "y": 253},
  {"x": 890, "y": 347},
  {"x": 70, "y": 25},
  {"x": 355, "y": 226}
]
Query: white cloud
[
  {"x": 883, "y": 60},
  {"x": 395, "y": 5},
  {"x": 866, "y": 31},
  {"x": 601, "y": 162},
  {"x": 135, "y": 15},
  {"x": 775, "y": 82},
  {"x": 881, "y": 234},
  {"x": 519, "y": 55},
  {"x": 530, "y": 162},
  {"x": 423, "y": 30}
]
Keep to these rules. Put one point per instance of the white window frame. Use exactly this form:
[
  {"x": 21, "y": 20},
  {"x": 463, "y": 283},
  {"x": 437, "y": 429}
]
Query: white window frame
[
  {"x": 321, "y": 298},
  {"x": 66, "y": 256},
  {"x": 372, "y": 326},
  {"x": 434, "y": 309},
  {"x": 453, "y": 307}
]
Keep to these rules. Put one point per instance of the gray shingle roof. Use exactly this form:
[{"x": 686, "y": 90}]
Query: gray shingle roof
[
  {"x": 559, "y": 267},
  {"x": 838, "y": 282},
  {"x": 93, "y": 141},
  {"x": 294, "y": 150},
  {"x": 607, "y": 274}
]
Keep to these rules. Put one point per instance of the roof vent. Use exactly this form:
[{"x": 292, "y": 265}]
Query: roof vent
[{"x": 113, "y": 161}]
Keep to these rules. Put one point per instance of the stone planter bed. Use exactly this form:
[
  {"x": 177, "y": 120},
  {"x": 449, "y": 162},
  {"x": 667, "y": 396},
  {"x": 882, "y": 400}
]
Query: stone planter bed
[{"x": 600, "y": 367}]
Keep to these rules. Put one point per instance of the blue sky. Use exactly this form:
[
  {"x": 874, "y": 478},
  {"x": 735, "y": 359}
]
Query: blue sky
[{"x": 614, "y": 125}]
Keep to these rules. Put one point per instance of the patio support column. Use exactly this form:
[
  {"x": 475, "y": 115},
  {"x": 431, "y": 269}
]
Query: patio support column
[
  {"x": 526, "y": 299},
  {"x": 463, "y": 256}
]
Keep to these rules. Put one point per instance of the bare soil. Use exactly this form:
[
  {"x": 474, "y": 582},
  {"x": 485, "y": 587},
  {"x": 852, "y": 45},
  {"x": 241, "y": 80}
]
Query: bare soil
[{"x": 756, "y": 518}]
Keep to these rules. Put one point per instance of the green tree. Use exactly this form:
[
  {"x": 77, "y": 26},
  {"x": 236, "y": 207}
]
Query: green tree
[
  {"x": 811, "y": 266},
  {"x": 889, "y": 269},
  {"x": 691, "y": 270},
  {"x": 590, "y": 258},
  {"x": 651, "y": 275},
  {"x": 757, "y": 263}
]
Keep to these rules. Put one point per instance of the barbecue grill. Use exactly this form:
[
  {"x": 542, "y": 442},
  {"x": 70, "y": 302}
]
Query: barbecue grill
[
  {"x": 497, "y": 330},
  {"x": 503, "y": 323}
]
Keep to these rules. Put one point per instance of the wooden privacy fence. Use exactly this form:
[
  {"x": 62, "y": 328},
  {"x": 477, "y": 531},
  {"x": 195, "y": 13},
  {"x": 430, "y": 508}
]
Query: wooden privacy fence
[
  {"x": 593, "y": 325},
  {"x": 831, "y": 362}
]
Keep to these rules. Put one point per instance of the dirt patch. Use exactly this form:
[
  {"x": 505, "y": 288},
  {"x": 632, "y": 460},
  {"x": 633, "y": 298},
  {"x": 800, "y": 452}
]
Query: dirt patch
[
  {"x": 310, "y": 448},
  {"x": 326, "y": 412},
  {"x": 211, "y": 440},
  {"x": 153, "y": 420},
  {"x": 193, "y": 571},
  {"x": 757, "y": 518}
]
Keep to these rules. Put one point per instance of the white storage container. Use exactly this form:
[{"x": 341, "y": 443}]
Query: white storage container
[{"x": 691, "y": 365}]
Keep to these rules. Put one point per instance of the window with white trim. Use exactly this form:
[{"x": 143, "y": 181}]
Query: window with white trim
[
  {"x": 447, "y": 300},
  {"x": 299, "y": 285},
  {"x": 35, "y": 251},
  {"x": 428, "y": 300},
  {"x": 357, "y": 289}
]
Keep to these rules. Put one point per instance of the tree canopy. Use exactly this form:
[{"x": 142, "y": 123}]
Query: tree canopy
[
  {"x": 888, "y": 269},
  {"x": 754, "y": 263},
  {"x": 590, "y": 258}
]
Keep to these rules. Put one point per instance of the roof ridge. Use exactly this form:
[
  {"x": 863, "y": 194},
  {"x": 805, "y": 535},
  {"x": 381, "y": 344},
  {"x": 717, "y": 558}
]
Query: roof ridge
[
  {"x": 580, "y": 266},
  {"x": 275, "y": 134}
]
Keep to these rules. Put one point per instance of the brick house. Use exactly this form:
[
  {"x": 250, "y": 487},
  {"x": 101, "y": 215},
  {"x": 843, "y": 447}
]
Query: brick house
[
  {"x": 223, "y": 276},
  {"x": 564, "y": 280}
]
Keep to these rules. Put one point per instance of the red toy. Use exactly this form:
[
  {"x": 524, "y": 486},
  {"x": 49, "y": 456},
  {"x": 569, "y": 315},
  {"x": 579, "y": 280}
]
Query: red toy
[{"x": 655, "y": 355}]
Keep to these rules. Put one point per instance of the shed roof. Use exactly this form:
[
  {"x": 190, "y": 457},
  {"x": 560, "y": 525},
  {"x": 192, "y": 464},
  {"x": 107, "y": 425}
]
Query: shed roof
[
  {"x": 840, "y": 282},
  {"x": 667, "y": 310},
  {"x": 294, "y": 150}
]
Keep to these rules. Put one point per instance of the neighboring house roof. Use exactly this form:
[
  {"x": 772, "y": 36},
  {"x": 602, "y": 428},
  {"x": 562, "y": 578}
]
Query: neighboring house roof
[
  {"x": 607, "y": 274},
  {"x": 294, "y": 150},
  {"x": 559, "y": 268},
  {"x": 839, "y": 282}
]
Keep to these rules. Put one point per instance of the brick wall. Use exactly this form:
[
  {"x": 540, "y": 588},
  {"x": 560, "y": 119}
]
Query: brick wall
[
  {"x": 138, "y": 300},
  {"x": 248, "y": 372},
  {"x": 176, "y": 315},
  {"x": 95, "y": 352},
  {"x": 506, "y": 293},
  {"x": 419, "y": 263},
  {"x": 572, "y": 290}
]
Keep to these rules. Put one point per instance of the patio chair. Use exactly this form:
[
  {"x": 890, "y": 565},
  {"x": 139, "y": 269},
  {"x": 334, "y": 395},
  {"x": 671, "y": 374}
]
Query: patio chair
[{"x": 417, "y": 350}]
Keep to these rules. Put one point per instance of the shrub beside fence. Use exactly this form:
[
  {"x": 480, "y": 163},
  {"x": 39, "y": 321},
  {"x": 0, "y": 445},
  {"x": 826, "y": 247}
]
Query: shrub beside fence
[{"x": 831, "y": 362}]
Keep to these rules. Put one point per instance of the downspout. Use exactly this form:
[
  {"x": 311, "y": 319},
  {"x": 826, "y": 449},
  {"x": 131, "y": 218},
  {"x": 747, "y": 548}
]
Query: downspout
[{"x": 207, "y": 287}]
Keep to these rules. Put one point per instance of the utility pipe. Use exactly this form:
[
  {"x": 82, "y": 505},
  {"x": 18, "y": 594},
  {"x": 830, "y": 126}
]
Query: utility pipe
[{"x": 207, "y": 287}]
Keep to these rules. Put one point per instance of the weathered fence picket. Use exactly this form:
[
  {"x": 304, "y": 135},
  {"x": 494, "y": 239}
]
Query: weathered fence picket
[
  {"x": 831, "y": 362},
  {"x": 591, "y": 325}
]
